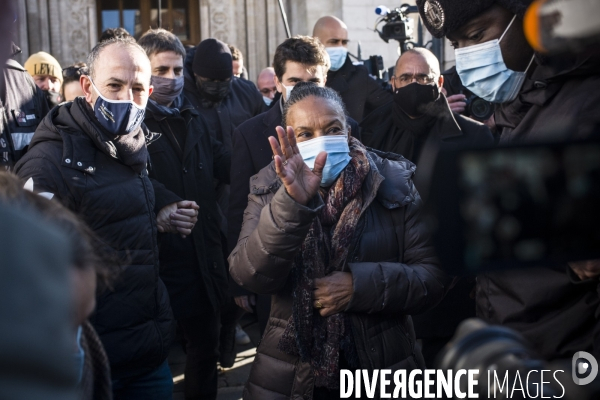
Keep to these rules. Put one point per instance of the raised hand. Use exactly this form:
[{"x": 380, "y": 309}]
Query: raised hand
[{"x": 300, "y": 182}]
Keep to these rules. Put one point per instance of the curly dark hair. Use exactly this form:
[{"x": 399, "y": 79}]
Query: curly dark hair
[{"x": 301, "y": 49}]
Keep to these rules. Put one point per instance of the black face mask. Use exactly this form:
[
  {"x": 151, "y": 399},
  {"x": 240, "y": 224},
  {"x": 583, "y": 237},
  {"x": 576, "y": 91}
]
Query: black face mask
[
  {"x": 213, "y": 91},
  {"x": 53, "y": 98},
  {"x": 415, "y": 99}
]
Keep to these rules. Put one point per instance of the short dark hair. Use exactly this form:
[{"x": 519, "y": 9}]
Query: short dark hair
[
  {"x": 236, "y": 54},
  {"x": 111, "y": 33},
  {"x": 159, "y": 40},
  {"x": 302, "y": 90},
  {"x": 301, "y": 49},
  {"x": 93, "y": 56}
]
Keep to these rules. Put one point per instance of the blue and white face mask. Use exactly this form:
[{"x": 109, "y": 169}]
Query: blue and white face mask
[
  {"x": 338, "y": 155},
  {"x": 119, "y": 117},
  {"x": 267, "y": 100},
  {"x": 337, "y": 56},
  {"x": 482, "y": 70}
]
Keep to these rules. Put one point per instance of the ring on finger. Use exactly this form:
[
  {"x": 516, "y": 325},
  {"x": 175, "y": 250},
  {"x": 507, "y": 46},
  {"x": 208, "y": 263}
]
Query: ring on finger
[{"x": 318, "y": 304}]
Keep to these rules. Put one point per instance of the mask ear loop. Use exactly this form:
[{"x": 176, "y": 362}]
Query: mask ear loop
[{"x": 507, "y": 28}]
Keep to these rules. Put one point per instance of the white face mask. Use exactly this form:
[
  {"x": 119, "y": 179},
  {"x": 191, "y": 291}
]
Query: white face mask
[
  {"x": 267, "y": 100},
  {"x": 482, "y": 71},
  {"x": 288, "y": 91}
]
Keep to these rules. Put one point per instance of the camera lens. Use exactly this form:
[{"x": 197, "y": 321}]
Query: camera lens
[{"x": 481, "y": 109}]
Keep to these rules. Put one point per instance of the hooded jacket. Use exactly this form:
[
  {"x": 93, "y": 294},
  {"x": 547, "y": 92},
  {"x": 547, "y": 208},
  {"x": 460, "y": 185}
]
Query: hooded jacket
[
  {"x": 22, "y": 107},
  {"x": 393, "y": 268},
  {"x": 186, "y": 159},
  {"x": 68, "y": 158},
  {"x": 552, "y": 308},
  {"x": 559, "y": 101}
]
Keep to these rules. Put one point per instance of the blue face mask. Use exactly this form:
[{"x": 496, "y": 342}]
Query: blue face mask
[
  {"x": 337, "y": 55},
  {"x": 267, "y": 100},
  {"x": 338, "y": 155},
  {"x": 118, "y": 117},
  {"x": 482, "y": 70}
]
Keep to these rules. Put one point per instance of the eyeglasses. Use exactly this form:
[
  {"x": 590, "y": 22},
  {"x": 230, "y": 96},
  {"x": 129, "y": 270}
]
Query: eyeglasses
[
  {"x": 74, "y": 72},
  {"x": 405, "y": 79}
]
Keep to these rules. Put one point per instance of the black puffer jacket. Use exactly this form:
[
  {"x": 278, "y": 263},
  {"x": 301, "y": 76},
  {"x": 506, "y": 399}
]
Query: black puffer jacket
[
  {"x": 134, "y": 321},
  {"x": 393, "y": 268}
]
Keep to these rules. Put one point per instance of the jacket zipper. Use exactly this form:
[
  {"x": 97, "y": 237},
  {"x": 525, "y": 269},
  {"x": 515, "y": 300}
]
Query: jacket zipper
[{"x": 154, "y": 246}]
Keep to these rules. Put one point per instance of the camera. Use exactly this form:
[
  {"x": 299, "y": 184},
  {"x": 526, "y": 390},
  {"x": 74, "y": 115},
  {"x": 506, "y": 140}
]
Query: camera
[
  {"x": 376, "y": 68},
  {"x": 397, "y": 24},
  {"x": 508, "y": 367},
  {"x": 478, "y": 108}
]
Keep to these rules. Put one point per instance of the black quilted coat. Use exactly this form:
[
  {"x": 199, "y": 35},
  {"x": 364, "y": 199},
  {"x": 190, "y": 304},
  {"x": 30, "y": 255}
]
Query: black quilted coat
[{"x": 134, "y": 321}]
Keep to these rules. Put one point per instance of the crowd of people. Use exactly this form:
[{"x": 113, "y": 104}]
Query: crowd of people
[{"x": 161, "y": 193}]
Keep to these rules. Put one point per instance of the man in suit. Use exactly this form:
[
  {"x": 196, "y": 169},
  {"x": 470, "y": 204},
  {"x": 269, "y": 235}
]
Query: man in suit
[
  {"x": 360, "y": 92},
  {"x": 298, "y": 59}
]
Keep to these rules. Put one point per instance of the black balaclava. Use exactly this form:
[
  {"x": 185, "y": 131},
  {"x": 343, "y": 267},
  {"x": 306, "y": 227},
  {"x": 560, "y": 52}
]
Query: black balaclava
[{"x": 213, "y": 61}]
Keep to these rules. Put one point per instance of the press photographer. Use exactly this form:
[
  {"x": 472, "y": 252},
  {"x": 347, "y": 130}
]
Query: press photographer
[{"x": 538, "y": 99}]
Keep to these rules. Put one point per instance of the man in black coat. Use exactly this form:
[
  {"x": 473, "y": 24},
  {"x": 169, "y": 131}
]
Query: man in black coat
[
  {"x": 416, "y": 125},
  {"x": 186, "y": 159},
  {"x": 419, "y": 114},
  {"x": 360, "y": 92},
  {"x": 224, "y": 102},
  {"x": 91, "y": 155},
  {"x": 298, "y": 59},
  {"x": 551, "y": 98}
]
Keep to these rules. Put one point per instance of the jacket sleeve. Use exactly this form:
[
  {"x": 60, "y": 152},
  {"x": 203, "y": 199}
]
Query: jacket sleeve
[
  {"x": 163, "y": 196},
  {"x": 221, "y": 161},
  {"x": 240, "y": 176},
  {"x": 411, "y": 287},
  {"x": 271, "y": 236},
  {"x": 47, "y": 178},
  {"x": 376, "y": 95}
]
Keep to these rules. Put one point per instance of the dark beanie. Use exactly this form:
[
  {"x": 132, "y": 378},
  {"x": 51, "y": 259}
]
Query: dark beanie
[
  {"x": 444, "y": 16},
  {"x": 213, "y": 60}
]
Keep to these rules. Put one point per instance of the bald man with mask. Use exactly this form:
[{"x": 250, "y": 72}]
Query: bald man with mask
[
  {"x": 419, "y": 113},
  {"x": 91, "y": 155},
  {"x": 360, "y": 92}
]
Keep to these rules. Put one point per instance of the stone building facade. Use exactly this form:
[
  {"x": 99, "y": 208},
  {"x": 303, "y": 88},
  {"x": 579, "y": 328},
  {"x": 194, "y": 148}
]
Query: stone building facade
[{"x": 68, "y": 29}]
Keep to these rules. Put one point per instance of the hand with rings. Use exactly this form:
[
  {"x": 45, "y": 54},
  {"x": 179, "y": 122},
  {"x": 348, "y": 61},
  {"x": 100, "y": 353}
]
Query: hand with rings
[
  {"x": 300, "y": 182},
  {"x": 332, "y": 293}
]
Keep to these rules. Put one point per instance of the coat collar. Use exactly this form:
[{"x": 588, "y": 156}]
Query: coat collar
[
  {"x": 443, "y": 124},
  {"x": 272, "y": 118}
]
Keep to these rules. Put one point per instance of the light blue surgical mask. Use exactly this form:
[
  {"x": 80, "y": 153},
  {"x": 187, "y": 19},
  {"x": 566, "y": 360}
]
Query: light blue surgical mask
[
  {"x": 338, "y": 155},
  {"x": 267, "y": 100},
  {"x": 337, "y": 56},
  {"x": 482, "y": 70},
  {"x": 288, "y": 91}
]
